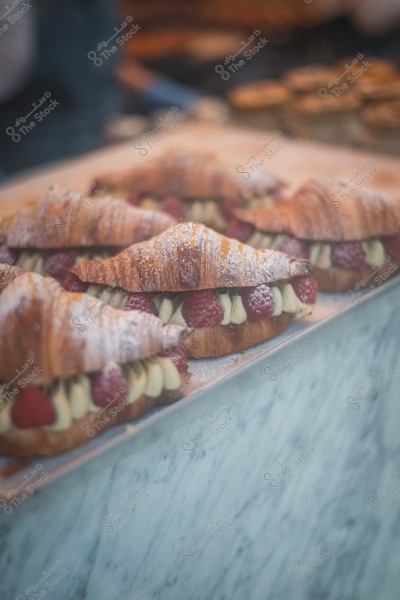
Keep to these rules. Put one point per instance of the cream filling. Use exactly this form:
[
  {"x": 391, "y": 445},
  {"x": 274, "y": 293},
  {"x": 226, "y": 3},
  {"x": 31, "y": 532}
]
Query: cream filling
[
  {"x": 34, "y": 261},
  {"x": 72, "y": 400},
  {"x": 320, "y": 253},
  {"x": 234, "y": 313}
]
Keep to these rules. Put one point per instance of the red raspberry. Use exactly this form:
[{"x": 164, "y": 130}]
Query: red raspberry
[
  {"x": 134, "y": 199},
  {"x": 239, "y": 230},
  {"x": 305, "y": 288},
  {"x": 201, "y": 308},
  {"x": 32, "y": 408},
  {"x": 228, "y": 206},
  {"x": 109, "y": 387},
  {"x": 258, "y": 302},
  {"x": 8, "y": 255},
  {"x": 392, "y": 246},
  {"x": 72, "y": 283},
  {"x": 140, "y": 301},
  {"x": 295, "y": 248},
  {"x": 349, "y": 255},
  {"x": 58, "y": 264},
  {"x": 173, "y": 206},
  {"x": 178, "y": 356}
]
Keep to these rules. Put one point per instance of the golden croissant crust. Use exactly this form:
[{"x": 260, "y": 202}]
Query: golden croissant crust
[
  {"x": 63, "y": 218},
  {"x": 190, "y": 256},
  {"x": 39, "y": 319},
  {"x": 327, "y": 211}
]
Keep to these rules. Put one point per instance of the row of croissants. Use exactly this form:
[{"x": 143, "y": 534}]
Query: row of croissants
[{"x": 104, "y": 295}]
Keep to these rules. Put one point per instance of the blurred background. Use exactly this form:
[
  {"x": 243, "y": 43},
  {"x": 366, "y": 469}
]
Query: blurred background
[{"x": 76, "y": 75}]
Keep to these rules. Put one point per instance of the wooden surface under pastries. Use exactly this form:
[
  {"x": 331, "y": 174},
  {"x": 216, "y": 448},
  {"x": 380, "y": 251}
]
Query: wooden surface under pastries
[{"x": 295, "y": 161}]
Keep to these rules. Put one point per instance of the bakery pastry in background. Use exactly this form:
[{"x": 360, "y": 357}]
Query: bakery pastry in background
[
  {"x": 260, "y": 103},
  {"x": 381, "y": 122},
  {"x": 231, "y": 295},
  {"x": 347, "y": 233},
  {"x": 310, "y": 78},
  {"x": 326, "y": 117},
  {"x": 61, "y": 228},
  {"x": 191, "y": 185},
  {"x": 66, "y": 377}
]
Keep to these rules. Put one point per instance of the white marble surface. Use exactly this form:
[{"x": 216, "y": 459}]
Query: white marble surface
[{"x": 222, "y": 499}]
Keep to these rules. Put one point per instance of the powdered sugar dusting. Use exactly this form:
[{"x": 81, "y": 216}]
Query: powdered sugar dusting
[
  {"x": 38, "y": 317},
  {"x": 191, "y": 256}
]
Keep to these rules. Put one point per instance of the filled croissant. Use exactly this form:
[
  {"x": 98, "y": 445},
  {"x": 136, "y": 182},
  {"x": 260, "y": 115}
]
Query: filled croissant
[
  {"x": 192, "y": 186},
  {"x": 349, "y": 235},
  {"x": 61, "y": 228},
  {"x": 73, "y": 366},
  {"x": 231, "y": 294}
]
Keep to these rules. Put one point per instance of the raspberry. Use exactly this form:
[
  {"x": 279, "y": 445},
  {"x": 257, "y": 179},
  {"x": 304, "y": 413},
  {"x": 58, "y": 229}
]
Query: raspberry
[
  {"x": 239, "y": 230},
  {"x": 258, "y": 302},
  {"x": 295, "y": 248},
  {"x": 174, "y": 207},
  {"x": 305, "y": 288},
  {"x": 201, "y": 308},
  {"x": 228, "y": 206},
  {"x": 58, "y": 264},
  {"x": 8, "y": 255},
  {"x": 133, "y": 199},
  {"x": 72, "y": 283},
  {"x": 109, "y": 387},
  {"x": 178, "y": 356},
  {"x": 392, "y": 246},
  {"x": 143, "y": 302},
  {"x": 349, "y": 255},
  {"x": 32, "y": 408}
]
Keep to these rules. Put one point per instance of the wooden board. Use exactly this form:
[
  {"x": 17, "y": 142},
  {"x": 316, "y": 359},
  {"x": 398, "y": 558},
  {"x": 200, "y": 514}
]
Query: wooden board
[{"x": 295, "y": 161}]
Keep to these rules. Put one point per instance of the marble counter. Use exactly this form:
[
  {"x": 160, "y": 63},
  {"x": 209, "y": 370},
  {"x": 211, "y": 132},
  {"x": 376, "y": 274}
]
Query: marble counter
[{"x": 281, "y": 502}]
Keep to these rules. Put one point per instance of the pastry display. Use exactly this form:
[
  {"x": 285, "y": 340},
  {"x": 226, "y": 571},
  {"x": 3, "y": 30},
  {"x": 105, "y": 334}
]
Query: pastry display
[
  {"x": 331, "y": 103},
  {"x": 66, "y": 378},
  {"x": 348, "y": 234},
  {"x": 327, "y": 118},
  {"x": 231, "y": 295},
  {"x": 191, "y": 186},
  {"x": 382, "y": 126},
  {"x": 260, "y": 103},
  {"x": 61, "y": 228}
]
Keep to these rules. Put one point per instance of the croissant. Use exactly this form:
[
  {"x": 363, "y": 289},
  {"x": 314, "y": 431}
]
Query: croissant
[
  {"x": 192, "y": 185},
  {"x": 66, "y": 221},
  {"x": 7, "y": 275},
  {"x": 73, "y": 366},
  {"x": 348, "y": 234},
  {"x": 233, "y": 295}
]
